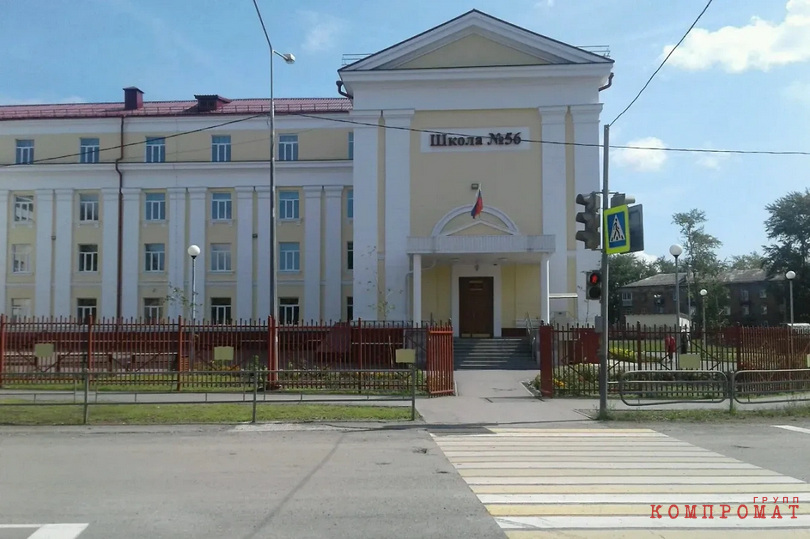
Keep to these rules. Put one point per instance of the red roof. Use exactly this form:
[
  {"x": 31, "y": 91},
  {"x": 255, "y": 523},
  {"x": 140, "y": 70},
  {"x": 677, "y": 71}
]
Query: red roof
[{"x": 175, "y": 108}]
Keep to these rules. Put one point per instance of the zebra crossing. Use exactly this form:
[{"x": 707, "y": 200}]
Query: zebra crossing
[{"x": 594, "y": 483}]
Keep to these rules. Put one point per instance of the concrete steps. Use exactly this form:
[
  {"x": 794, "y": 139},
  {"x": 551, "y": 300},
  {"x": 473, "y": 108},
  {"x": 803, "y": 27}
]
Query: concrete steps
[{"x": 492, "y": 354}]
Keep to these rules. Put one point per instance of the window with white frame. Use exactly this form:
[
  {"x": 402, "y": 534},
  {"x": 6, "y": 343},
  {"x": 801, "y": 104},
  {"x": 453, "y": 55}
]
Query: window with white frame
[
  {"x": 350, "y": 255},
  {"x": 155, "y": 149},
  {"x": 727, "y": 311},
  {"x": 154, "y": 257},
  {"x": 764, "y": 309},
  {"x": 350, "y": 308},
  {"x": 88, "y": 150},
  {"x": 20, "y": 308},
  {"x": 86, "y": 308},
  {"x": 288, "y": 310},
  {"x": 351, "y": 144},
  {"x": 21, "y": 258},
  {"x": 88, "y": 207},
  {"x": 350, "y": 204},
  {"x": 220, "y": 148},
  {"x": 746, "y": 310},
  {"x": 288, "y": 205},
  {"x": 763, "y": 294},
  {"x": 23, "y": 208},
  {"x": 743, "y": 295},
  {"x": 221, "y": 310},
  {"x": 152, "y": 309},
  {"x": 25, "y": 152},
  {"x": 288, "y": 148},
  {"x": 627, "y": 299},
  {"x": 289, "y": 256},
  {"x": 155, "y": 207},
  {"x": 221, "y": 207},
  {"x": 220, "y": 257},
  {"x": 88, "y": 258}
]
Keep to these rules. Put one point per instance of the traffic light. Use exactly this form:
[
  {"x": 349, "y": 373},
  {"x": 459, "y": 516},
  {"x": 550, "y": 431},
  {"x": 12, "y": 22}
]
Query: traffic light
[
  {"x": 593, "y": 285},
  {"x": 590, "y": 235}
]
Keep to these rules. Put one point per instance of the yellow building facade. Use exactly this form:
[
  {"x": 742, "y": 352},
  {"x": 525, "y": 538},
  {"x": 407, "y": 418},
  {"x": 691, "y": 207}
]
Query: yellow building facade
[{"x": 374, "y": 192}]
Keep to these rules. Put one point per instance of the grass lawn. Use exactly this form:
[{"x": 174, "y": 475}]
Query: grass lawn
[
  {"x": 178, "y": 414},
  {"x": 707, "y": 416}
]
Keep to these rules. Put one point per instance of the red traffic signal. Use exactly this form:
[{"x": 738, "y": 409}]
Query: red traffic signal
[
  {"x": 594, "y": 278},
  {"x": 593, "y": 290}
]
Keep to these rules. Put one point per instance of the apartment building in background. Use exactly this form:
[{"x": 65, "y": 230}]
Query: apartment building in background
[{"x": 374, "y": 192}]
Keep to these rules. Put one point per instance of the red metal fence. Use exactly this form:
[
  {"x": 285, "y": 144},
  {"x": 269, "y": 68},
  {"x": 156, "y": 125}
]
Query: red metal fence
[
  {"x": 343, "y": 356},
  {"x": 569, "y": 356}
]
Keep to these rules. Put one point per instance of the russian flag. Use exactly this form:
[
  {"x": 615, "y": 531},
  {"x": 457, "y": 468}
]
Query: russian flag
[{"x": 478, "y": 206}]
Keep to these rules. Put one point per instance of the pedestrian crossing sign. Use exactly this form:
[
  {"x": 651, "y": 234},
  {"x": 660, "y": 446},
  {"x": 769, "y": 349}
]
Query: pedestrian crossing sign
[{"x": 617, "y": 233}]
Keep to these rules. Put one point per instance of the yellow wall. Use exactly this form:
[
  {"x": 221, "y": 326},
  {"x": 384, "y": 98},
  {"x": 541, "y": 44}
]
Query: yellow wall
[
  {"x": 441, "y": 181},
  {"x": 436, "y": 293},
  {"x": 472, "y": 51},
  {"x": 21, "y": 234}
]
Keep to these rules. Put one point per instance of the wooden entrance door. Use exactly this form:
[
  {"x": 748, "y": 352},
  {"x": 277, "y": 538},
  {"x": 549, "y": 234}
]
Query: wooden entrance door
[{"x": 476, "y": 307}]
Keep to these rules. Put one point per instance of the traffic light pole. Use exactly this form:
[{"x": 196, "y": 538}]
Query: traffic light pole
[{"x": 604, "y": 300}]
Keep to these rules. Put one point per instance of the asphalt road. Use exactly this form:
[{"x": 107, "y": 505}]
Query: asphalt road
[{"x": 214, "y": 482}]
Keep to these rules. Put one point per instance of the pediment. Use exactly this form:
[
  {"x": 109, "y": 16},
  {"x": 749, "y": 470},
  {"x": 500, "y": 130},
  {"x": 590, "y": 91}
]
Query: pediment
[
  {"x": 475, "y": 39},
  {"x": 459, "y": 222}
]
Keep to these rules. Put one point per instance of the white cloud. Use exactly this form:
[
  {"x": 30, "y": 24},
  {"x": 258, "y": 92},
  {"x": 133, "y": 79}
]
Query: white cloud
[
  {"x": 322, "y": 31},
  {"x": 645, "y": 257},
  {"x": 544, "y": 3},
  {"x": 758, "y": 45},
  {"x": 40, "y": 101},
  {"x": 798, "y": 91},
  {"x": 711, "y": 160},
  {"x": 641, "y": 160}
]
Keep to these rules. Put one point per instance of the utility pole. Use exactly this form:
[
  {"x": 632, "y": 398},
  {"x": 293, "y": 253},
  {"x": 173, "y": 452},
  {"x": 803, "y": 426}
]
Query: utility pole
[{"x": 604, "y": 301}]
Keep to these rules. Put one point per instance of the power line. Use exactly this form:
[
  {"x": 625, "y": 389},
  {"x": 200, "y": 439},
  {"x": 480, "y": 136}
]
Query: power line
[{"x": 662, "y": 63}]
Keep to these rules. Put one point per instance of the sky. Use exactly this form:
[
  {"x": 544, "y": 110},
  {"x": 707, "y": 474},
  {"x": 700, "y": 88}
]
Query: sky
[{"x": 741, "y": 79}]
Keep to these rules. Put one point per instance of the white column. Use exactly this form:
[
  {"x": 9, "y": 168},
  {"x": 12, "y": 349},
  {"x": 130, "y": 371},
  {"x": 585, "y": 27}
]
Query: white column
[
  {"x": 109, "y": 252},
  {"x": 417, "y": 290},
  {"x": 312, "y": 253},
  {"x": 587, "y": 178},
  {"x": 4, "y": 248},
  {"x": 366, "y": 249},
  {"x": 43, "y": 210},
  {"x": 545, "y": 314},
  {"x": 197, "y": 210},
  {"x": 335, "y": 244},
  {"x": 555, "y": 208},
  {"x": 244, "y": 252},
  {"x": 63, "y": 252},
  {"x": 263, "y": 215},
  {"x": 397, "y": 209},
  {"x": 176, "y": 251},
  {"x": 131, "y": 239}
]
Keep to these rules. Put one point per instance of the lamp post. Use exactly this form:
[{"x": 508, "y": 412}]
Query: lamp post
[
  {"x": 676, "y": 251},
  {"x": 290, "y": 59},
  {"x": 703, "y": 294},
  {"x": 790, "y": 275},
  {"x": 193, "y": 252}
]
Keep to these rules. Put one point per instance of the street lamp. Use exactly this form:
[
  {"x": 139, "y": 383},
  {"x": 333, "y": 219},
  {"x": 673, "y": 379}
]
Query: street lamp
[
  {"x": 676, "y": 251},
  {"x": 193, "y": 252},
  {"x": 790, "y": 275},
  {"x": 703, "y": 294}
]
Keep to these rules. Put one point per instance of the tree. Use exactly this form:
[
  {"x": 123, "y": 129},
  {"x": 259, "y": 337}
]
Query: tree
[
  {"x": 752, "y": 260},
  {"x": 788, "y": 228},
  {"x": 178, "y": 296},
  {"x": 663, "y": 265},
  {"x": 383, "y": 306},
  {"x": 701, "y": 264},
  {"x": 625, "y": 269}
]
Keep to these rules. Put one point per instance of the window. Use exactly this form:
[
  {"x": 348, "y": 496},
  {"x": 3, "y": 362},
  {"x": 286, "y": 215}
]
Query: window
[
  {"x": 155, "y": 149},
  {"x": 288, "y": 147},
  {"x": 88, "y": 208},
  {"x": 743, "y": 295},
  {"x": 21, "y": 258},
  {"x": 20, "y": 308},
  {"x": 88, "y": 258},
  {"x": 155, "y": 207},
  {"x": 288, "y": 205},
  {"x": 86, "y": 308},
  {"x": 350, "y": 255},
  {"x": 350, "y": 204},
  {"x": 288, "y": 310},
  {"x": 351, "y": 145},
  {"x": 727, "y": 311},
  {"x": 152, "y": 309},
  {"x": 350, "y": 308},
  {"x": 220, "y": 148},
  {"x": 763, "y": 294},
  {"x": 764, "y": 309},
  {"x": 221, "y": 310},
  {"x": 627, "y": 299},
  {"x": 88, "y": 150},
  {"x": 746, "y": 310},
  {"x": 221, "y": 206},
  {"x": 290, "y": 256},
  {"x": 220, "y": 257},
  {"x": 154, "y": 257},
  {"x": 23, "y": 209},
  {"x": 25, "y": 152}
]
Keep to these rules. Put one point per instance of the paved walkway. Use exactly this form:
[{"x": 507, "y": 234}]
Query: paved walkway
[{"x": 600, "y": 483}]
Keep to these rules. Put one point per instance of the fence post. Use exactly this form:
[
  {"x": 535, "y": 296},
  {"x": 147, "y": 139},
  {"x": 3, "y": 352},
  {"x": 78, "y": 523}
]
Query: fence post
[
  {"x": 255, "y": 390},
  {"x": 86, "y": 403},
  {"x": 90, "y": 320},
  {"x": 638, "y": 344},
  {"x": 2, "y": 346},
  {"x": 180, "y": 353},
  {"x": 732, "y": 381},
  {"x": 360, "y": 356},
  {"x": 545, "y": 334},
  {"x": 272, "y": 360},
  {"x": 413, "y": 391},
  {"x": 739, "y": 343}
]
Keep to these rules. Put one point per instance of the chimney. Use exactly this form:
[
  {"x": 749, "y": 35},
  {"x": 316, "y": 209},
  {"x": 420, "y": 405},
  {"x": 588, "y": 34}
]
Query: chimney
[
  {"x": 210, "y": 102},
  {"x": 133, "y": 98}
]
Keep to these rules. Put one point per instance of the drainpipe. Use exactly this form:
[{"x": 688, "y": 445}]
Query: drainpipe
[
  {"x": 609, "y": 83},
  {"x": 408, "y": 288},
  {"x": 119, "y": 287}
]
